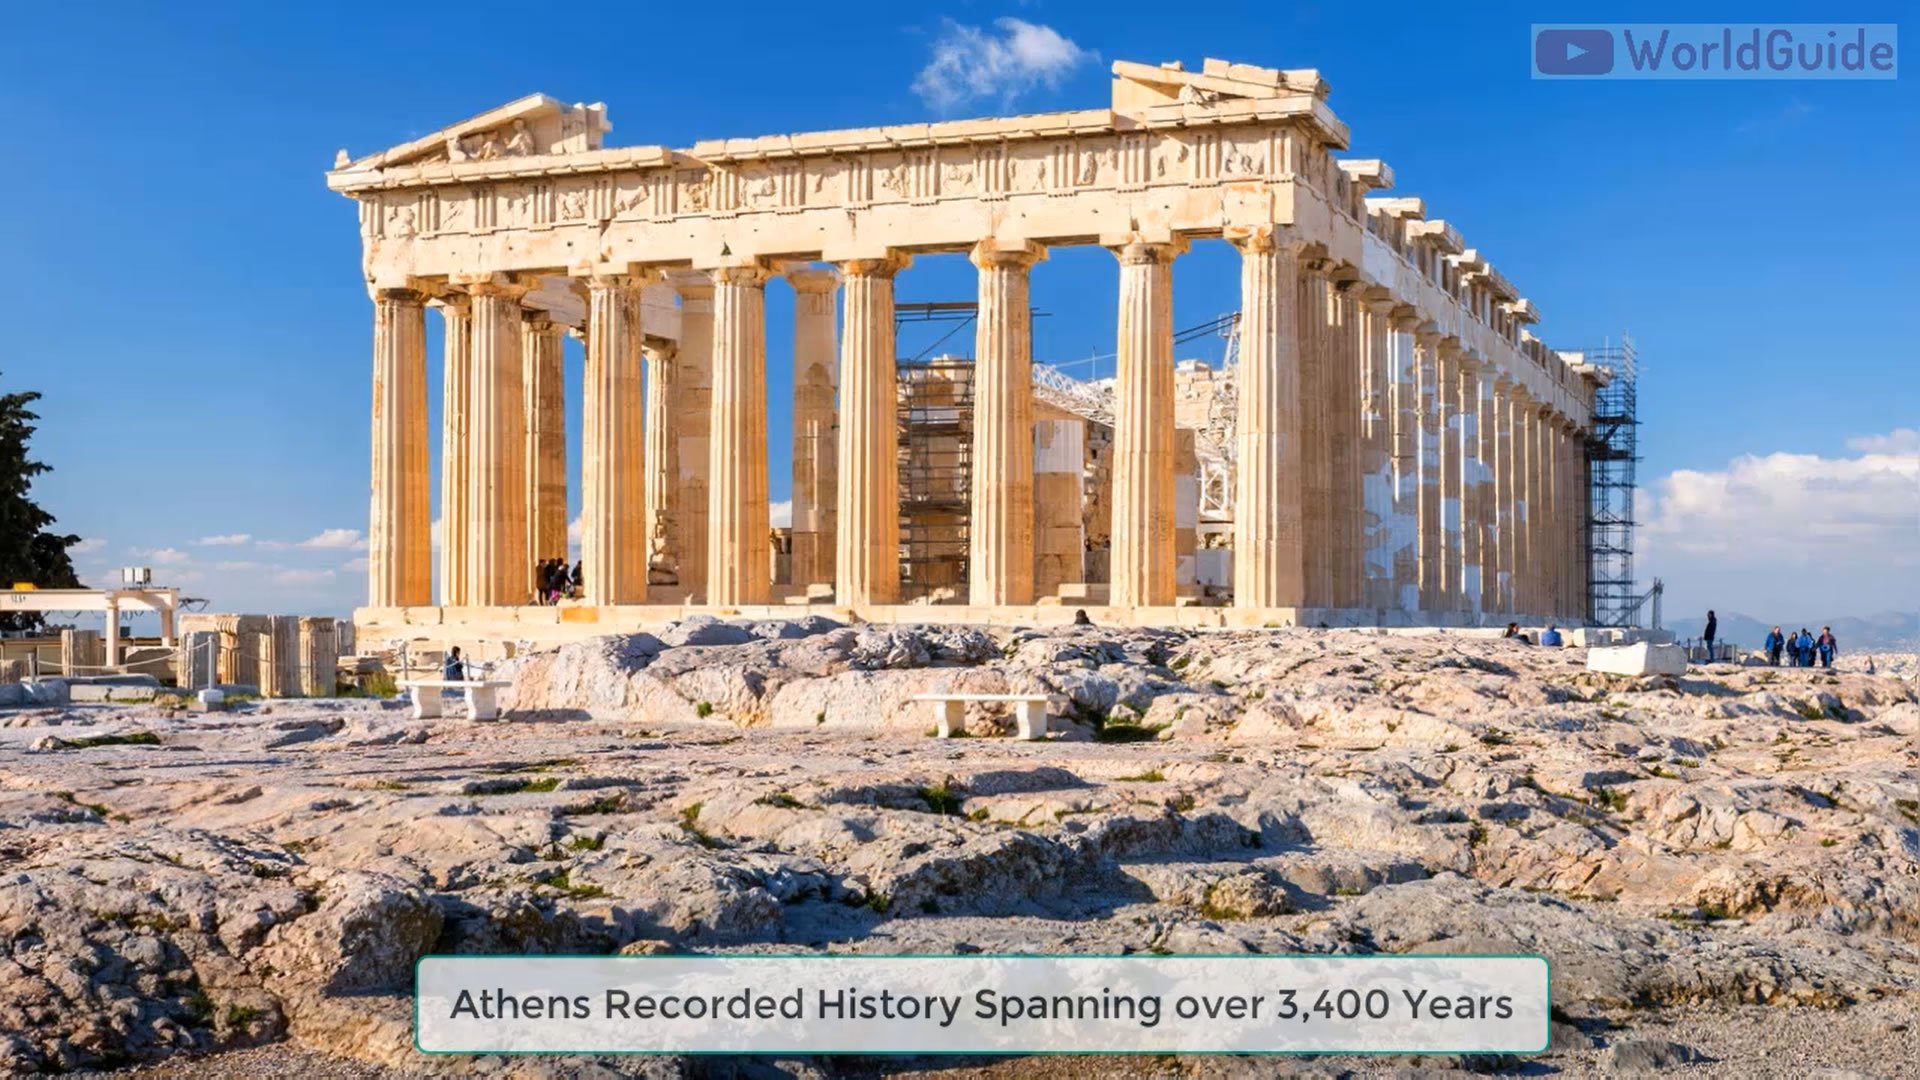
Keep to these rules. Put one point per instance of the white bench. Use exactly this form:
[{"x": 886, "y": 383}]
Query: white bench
[
  {"x": 1029, "y": 711},
  {"x": 426, "y": 695}
]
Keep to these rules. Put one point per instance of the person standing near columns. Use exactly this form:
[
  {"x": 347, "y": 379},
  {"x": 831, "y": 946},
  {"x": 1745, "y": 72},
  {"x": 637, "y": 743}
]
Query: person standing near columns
[
  {"x": 546, "y": 408},
  {"x": 1268, "y": 558},
  {"x": 815, "y": 449},
  {"x": 739, "y": 542},
  {"x": 498, "y": 568},
  {"x": 399, "y": 540},
  {"x": 456, "y": 380},
  {"x": 613, "y": 542},
  {"x": 1432, "y": 560},
  {"x": 660, "y": 493},
  {"x": 1143, "y": 498},
  {"x": 1001, "y": 532},
  {"x": 693, "y": 410},
  {"x": 867, "y": 534}
]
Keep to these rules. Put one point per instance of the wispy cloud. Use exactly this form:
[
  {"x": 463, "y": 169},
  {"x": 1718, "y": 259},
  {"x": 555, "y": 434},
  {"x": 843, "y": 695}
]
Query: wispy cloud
[
  {"x": 166, "y": 556},
  {"x": 301, "y": 577},
  {"x": 781, "y": 513},
  {"x": 327, "y": 539},
  {"x": 1898, "y": 441},
  {"x": 229, "y": 540},
  {"x": 972, "y": 63},
  {"x": 87, "y": 546}
]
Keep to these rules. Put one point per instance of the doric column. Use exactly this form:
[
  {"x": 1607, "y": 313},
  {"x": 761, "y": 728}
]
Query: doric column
[
  {"x": 1573, "y": 521},
  {"x": 1143, "y": 503},
  {"x": 1472, "y": 477},
  {"x": 1488, "y": 511},
  {"x": 1403, "y": 541},
  {"x": 1268, "y": 555},
  {"x": 1520, "y": 428},
  {"x": 739, "y": 559},
  {"x": 456, "y": 382},
  {"x": 1001, "y": 531},
  {"x": 1539, "y": 513},
  {"x": 1432, "y": 561},
  {"x": 546, "y": 406},
  {"x": 498, "y": 569},
  {"x": 400, "y": 520},
  {"x": 1500, "y": 427},
  {"x": 1448, "y": 376},
  {"x": 613, "y": 540},
  {"x": 1374, "y": 312},
  {"x": 815, "y": 451},
  {"x": 867, "y": 535},
  {"x": 693, "y": 413},
  {"x": 1348, "y": 549},
  {"x": 1316, "y": 436},
  {"x": 660, "y": 494}
]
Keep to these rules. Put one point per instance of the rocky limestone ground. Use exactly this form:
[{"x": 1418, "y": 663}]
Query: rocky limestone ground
[{"x": 1724, "y": 867}]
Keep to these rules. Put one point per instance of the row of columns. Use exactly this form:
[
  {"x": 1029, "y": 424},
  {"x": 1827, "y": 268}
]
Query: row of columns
[{"x": 1378, "y": 466}]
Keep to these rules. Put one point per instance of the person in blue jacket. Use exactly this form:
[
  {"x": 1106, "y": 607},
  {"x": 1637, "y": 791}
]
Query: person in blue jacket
[
  {"x": 1550, "y": 636},
  {"x": 1803, "y": 647},
  {"x": 1775, "y": 642},
  {"x": 1829, "y": 648},
  {"x": 454, "y": 669}
]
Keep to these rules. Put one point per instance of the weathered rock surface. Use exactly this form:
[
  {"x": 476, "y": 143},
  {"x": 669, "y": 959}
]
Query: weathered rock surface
[{"x": 1692, "y": 845}]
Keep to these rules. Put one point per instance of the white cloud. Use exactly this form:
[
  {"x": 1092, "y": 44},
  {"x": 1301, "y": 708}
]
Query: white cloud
[
  {"x": 355, "y": 566},
  {"x": 165, "y": 556},
  {"x": 229, "y": 540},
  {"x": 335, "y": 539},
  {"x": 231, "y": 566},
  {"x": 1898, "y": 441},
  {"x": 1810, "y": 533},
  {"x": 971, "y": 63},
  {"x": 87, "y": 546},
  {"x": 301, "y": 577},
  {"x": 781, "y": 514}
]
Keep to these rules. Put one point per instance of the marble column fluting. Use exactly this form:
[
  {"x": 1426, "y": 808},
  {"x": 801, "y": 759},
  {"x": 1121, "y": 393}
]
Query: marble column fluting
[
  {"x": 1268, "y": 566},
  {"x": 1374, "y": 312},
  {"x": 693, "y": 413},
  {"x": 815, "y": 435},
  {"x": 399, "y": 538},
  {"x": 1486, "y": 423},
  {"x": 546, "y": 410},
  {"x": 1316, "y": 437},
  {"x": 1539, "y": 490},
  {"x": 1520, "y": 429},
  {"x": 867, "y": 534},
  {"x": 660, "y": 491},
  {"x": 1142, "y": 570},
  {"x": 1404, "y": 405},
  {"x": 1001, "y": 530},
  {"x": 1448, "y": 392},
  {"x": 1432, "y": 560},
  {"x": 739, "y": 557},
  {"x": 613, "y": 446},
  {"x": 456, "y": 381},
  {"x": 1472, "y": 470},
  {"x": 497, "y": 563},
  {"x": 1347, "y": 550},
  {"x": 1501, "y": 428}
]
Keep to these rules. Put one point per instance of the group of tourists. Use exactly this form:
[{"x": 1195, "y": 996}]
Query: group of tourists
[
  {"x": 553, "y": 581},
  {"x": 1802, "y": 649}
]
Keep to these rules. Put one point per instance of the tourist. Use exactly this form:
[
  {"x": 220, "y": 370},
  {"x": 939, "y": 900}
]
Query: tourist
[
  {"x": 454, "y": 669},
  {"x": 1080, "y": 618},
  {"x": 1775, "y": 642},
  {"x": 1513, "y": 630},
  {"x": 1706, "y": 635},
  {"x": 1828, "y": 647},
  {"x": 556, "y": 583},
  {"x": 1803, "y": 648},
  {"x": 1551, "y": 637},
  {"x": 579, "y": 578}
]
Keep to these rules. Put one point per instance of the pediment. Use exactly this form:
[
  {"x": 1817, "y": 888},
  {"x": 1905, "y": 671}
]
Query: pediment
[{"x": 534, "y": 125}]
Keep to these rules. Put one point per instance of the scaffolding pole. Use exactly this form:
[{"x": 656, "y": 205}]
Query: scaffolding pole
[{"x": 1612, "y": 454}]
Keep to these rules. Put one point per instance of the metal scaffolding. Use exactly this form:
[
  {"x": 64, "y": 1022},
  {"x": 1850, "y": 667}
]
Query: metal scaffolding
[
  {"x": 1612, "y": 453},
  {"x": 936, "y": 475}
]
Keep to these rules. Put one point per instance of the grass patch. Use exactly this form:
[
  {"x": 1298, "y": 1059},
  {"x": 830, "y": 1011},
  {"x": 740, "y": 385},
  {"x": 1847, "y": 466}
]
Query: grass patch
[
  {"x": 583, "y": 842},
  {"x": 1109, "y": 730},
  {"x": 939, "y": 800},
  {"x": 1476, "y": 835},
  {"x": 1808, "y": 710},
  {"x": 690, "y": 824},
  {"x": 1181, "y": 803},
  {"x": 1663, "y": 772},
  {"x": 1909, "y": 809},
  {"x": 1151, "y": 776},
  {"x": 1613, "y": 801},
  {"x": 780, "y": 799},
  {"x": 132, "y": 738},
  {"x": 703, "y": 710},
  {"x": 1450, "y": 748},
  {"x": 1686, "y": 763},
  {"x": 578, "y": 891},
  {"x": 241, "y": 1015},
  {"x": 1496, "y": 737},
  {"x": 605, "y": 804},
  {"x": 1828, "y": 841}
]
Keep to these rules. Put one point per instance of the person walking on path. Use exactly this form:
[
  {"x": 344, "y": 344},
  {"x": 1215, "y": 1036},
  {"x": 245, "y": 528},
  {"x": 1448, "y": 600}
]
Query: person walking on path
[
  {"x": 1775, "y": 642},
  {"x": 454, "y": 669},
  {"x": 1829, "y": 648},
  {"x": 1803, "y": 648},
  {"x": 1713, "y": 627}
]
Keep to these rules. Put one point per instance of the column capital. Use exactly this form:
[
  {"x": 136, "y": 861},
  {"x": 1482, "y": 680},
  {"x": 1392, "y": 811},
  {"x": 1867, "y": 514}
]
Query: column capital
[
  {"x": 1406, "y": 317},
  {"x": 540, "y": 321},
  {"x": 1521, "y": 395},
  {"x": 996, "y": 252},
  {"x": 1285, "y": 239},
  {"x": 751, "y": 272},
  {"x": 400, "y": 296},
  {"x": 883, "y": 266},
  {"x": 1426, "y": 337},
  {"x": 1135, "y": 252},
  {"x": 504, "y": 286},
  {"x": 813, "y": 279}
]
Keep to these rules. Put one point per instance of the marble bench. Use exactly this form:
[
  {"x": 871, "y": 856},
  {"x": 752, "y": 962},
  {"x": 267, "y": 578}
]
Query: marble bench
[
  {"x": 426, "y": 696},
  {"x": 1029, "y": 711}
]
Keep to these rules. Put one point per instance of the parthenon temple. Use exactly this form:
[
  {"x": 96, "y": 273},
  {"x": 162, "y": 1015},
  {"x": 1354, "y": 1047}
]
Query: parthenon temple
[{"x": 1389, "y": 445}]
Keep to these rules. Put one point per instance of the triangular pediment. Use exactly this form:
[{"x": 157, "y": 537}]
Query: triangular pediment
[{"x": 531, "y": 126}]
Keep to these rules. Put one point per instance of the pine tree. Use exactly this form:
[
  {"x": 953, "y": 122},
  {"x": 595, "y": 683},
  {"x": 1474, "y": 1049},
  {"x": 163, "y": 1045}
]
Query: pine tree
[{"x": 28, "y": 551}]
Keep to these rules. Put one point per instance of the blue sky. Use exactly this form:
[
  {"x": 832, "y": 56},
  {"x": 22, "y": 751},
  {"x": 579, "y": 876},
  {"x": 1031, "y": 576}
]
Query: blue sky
[{"x": 186, "y": 291}]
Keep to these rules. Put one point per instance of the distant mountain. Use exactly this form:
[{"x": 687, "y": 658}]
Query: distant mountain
[{"x": 1887, "y": 630}]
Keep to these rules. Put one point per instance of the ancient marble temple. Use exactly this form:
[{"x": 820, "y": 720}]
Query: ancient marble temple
[{"x": 1402, "y": 448}]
